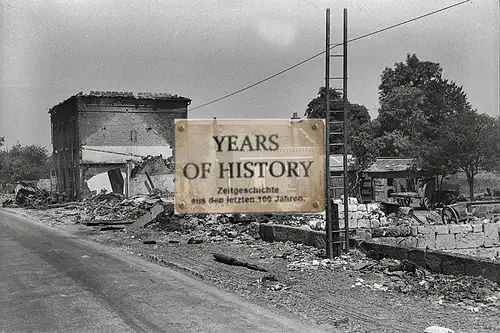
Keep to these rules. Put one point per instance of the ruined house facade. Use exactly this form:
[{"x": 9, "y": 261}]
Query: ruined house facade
[{"x": 97, "y": 132}]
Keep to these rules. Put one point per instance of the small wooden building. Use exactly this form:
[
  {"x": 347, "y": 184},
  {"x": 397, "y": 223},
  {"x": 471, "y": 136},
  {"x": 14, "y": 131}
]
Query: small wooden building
[{"x": 385, "y": 176}]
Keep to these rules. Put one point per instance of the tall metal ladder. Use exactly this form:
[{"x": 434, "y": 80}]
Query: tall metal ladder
[{"x": 336, "y": 142}]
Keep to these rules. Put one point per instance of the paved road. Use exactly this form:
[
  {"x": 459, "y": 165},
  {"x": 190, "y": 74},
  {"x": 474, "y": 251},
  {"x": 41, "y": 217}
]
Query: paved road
[{"x": 52, "y": 281}]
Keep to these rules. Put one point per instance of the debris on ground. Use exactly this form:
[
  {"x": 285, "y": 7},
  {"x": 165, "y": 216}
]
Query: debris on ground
[
  {"x": 28, "y": 196},
  {"x": 270, "y": 282},
  {"x": 438, "y": 329},
  {"x": 236, "y": 262}
]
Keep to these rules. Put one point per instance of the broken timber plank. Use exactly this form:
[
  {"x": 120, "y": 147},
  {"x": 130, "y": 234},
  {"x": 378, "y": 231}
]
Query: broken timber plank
[
  {"x": 235, "y": 262},
  {"x": 107, "y": 222}
]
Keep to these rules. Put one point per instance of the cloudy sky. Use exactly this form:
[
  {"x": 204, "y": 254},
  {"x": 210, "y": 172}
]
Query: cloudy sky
[{"x": 205, "y": 49}]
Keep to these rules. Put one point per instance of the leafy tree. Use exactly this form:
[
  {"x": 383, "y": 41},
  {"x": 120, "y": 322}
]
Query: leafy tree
[
  {"x": 24, "y": 163},
  {"x": 365, "y": 150},
  {"x": 357, "y": 116},
  {"x": 470, "y": 144},
  {"x": 415, "y": 101}
]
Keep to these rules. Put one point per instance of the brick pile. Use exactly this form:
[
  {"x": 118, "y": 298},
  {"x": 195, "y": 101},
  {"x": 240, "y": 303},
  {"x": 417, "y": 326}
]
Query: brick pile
[{"x": 361, "y": 216}]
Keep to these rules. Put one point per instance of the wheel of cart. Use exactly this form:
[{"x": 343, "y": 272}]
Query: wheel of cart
[
  {"x": 455, "y": 213},
  {"x": 449, "y": 215}
]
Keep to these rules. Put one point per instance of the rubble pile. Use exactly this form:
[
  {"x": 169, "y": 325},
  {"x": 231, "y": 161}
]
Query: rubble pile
[
  {"x": 403, "y": 276},
  {"x": 207, "y": 228},
  {"x": 27, "y": 196},
  {"x": 113, "y": 206}
]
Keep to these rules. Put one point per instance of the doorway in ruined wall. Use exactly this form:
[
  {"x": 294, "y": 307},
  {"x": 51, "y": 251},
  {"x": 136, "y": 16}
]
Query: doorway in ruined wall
[{"x": 104, "y": 179}]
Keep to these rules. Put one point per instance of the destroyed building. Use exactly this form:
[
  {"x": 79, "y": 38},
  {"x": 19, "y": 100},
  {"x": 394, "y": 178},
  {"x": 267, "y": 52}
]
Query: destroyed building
[
  {"x": 153, "y": 173},
  {"x": 97, "y": 133}
]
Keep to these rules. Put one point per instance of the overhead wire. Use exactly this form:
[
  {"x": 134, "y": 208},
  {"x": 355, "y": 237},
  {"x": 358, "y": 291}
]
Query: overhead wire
[{"x": 322, "y": 52}]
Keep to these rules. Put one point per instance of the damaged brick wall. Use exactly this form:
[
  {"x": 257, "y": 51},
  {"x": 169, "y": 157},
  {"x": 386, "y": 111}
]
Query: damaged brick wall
[
  {"x": 66, "y": 149},
  {"x": 129, "y": 122}
]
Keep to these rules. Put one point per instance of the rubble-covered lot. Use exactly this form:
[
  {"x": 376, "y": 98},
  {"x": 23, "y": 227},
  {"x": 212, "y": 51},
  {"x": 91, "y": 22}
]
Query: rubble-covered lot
[{"x": 352, "y": 293}]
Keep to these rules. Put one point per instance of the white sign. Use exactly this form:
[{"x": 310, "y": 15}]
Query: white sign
[{"x": 249, "y": 166}]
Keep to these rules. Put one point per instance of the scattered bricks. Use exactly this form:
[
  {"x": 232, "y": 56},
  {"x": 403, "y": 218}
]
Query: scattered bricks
[
  {"x": 362, "y": 208},
  {"x": 383, "y": 221},
  {"x": 357, "y": 215},
  {"x": 445, "y": 242},
  {"x": 442, "y": 229},
  {"x": 460, "y": 228},
  {"x": 491, "y": 235},
  {"x": 433, "y": 261},
  {"x": 426, "y": 241},
  {"x": 352, "y": 208},
  {"x": 353, "y": 223},
  {"x": 408, "y": 242},
  {"x": 374, "y": 223},
  {"x": 368, "y": 215},
  {"x": 372, "y": 207},
  {"x": 471, "y": 240},
  {"x": 477, "y": 227},
  {"x": 489, "y": 253},
  {"x": 352, "y": 201},
  {"x": 364, "y": 223},
  {"x": 453, "y": 264}
]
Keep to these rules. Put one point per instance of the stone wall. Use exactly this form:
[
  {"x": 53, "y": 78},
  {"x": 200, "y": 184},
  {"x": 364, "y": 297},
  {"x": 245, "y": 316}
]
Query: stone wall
[
  {"x": 367, "y": 216},
  {"x": 481, "y": 240}
]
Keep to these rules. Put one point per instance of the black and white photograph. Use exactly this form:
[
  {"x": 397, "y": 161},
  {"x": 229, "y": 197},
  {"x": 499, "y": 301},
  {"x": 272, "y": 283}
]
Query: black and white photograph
[{"x": 250, "y": 166}]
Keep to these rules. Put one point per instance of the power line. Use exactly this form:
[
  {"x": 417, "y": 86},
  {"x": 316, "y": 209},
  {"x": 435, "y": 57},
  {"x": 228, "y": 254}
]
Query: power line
[{"x": 321, "y": 53}]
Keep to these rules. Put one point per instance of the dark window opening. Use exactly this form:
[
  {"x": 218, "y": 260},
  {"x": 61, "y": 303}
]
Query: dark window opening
[{"x": 133, "y": 136}]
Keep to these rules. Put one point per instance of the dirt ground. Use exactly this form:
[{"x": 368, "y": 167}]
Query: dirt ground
[{"x": 352, "y": 293}]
